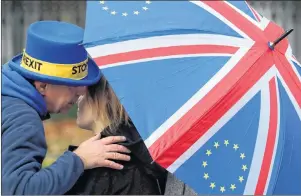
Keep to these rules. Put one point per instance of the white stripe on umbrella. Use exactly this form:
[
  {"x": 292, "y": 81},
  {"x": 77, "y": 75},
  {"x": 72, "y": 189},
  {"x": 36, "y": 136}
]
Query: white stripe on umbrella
[
  {"x": 164, "y": 57},
  {"x": 261, "y": 140},
  {"x": 290, "y": 95},
  {"x": 276, "y": 141},
  {"x": 293, "y": 58},
  {"x": 289, "y": 56},
  {"x": 264, "y": 23},
  {"x": 167, "y": 41},
  {"x": 255, "y": 13}
]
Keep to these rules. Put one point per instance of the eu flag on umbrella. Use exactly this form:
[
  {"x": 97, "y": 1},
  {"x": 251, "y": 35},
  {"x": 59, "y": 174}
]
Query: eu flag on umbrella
[{"x": 212, "y": 87}]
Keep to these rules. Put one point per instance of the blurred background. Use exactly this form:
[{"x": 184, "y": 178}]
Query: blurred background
[{"x": 61, "y": 130}]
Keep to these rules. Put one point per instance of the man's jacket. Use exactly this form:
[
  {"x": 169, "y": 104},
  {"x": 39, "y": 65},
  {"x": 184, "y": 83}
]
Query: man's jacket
[{"x": 24, "y": 145}]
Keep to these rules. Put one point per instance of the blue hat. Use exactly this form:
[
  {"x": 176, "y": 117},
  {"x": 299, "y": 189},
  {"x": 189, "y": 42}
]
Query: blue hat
[{"x": 54, "y": 54}]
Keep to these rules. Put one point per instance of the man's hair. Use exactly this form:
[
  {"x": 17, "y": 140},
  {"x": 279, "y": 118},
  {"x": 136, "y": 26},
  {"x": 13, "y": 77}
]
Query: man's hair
[{"x": 108, "y": 111}]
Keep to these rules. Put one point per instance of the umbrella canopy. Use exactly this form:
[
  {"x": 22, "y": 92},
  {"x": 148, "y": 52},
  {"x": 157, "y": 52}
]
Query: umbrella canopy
[{"x": 216, "y": 99}]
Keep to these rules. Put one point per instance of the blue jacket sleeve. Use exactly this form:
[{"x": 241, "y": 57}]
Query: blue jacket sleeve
[{"x": 23, "y": 151}]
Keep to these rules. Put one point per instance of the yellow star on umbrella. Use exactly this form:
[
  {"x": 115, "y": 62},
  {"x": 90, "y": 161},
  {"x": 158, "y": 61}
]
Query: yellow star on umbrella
[
  {"x": 113, "y": 12},
  {"x": 232, "y": 187},
  {"x": 242, "y": 155},
  {"x": 241, "y": 178},
  {"x": 216, "y": 145},
  {"x": 205, "y": 164},
  {"x": 206, "y": 176},
  {"x": 244, "y": 167},
  {"x": 226, "y": 142},
  {"x": 235, "y": 146},
  {"x": 222, "y": 189},
  {"x": 208, "y": 152},
  {"x": 212, "y": 185}
]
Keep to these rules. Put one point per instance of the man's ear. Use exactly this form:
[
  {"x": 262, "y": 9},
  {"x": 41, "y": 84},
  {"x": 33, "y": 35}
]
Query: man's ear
[{"x": 41, "y": 87}]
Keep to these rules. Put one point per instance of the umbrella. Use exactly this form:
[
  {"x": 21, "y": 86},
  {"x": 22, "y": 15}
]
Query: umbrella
[{"x": 212, "y": 87}]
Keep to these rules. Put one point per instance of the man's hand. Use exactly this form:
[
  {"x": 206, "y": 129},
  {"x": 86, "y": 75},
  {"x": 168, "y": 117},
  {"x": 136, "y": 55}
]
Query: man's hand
[{"x": 95, "y": 152}]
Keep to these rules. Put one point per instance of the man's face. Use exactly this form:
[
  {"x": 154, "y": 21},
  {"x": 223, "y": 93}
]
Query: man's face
[{"x": 59, "y": 99}]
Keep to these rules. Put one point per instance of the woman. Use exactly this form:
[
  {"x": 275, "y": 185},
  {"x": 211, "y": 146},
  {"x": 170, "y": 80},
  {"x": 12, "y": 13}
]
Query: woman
[{"x": 100, "y": 111}]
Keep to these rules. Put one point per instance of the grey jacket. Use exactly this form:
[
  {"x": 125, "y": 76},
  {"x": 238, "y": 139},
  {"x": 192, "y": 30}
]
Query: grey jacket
[{"x": 176, "y": 187}]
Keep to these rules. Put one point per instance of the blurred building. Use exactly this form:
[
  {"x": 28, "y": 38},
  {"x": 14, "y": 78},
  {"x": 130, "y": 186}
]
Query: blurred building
[{"x": 17, "y": 15}]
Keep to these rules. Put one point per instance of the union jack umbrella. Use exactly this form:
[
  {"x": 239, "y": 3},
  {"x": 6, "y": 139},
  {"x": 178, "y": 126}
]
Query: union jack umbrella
[{"x": 215, "y": 97}]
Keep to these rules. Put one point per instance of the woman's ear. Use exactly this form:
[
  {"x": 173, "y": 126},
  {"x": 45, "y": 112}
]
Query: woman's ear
[{"x": 41, "y": 87}]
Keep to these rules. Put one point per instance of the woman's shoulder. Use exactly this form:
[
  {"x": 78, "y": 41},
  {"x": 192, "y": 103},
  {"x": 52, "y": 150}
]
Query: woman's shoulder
[
  {"x": 134, "y": 141},
  {"x": 126, "y": 129}
]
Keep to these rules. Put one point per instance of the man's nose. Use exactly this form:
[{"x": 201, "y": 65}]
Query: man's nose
[{"x": 81, "y": 90}]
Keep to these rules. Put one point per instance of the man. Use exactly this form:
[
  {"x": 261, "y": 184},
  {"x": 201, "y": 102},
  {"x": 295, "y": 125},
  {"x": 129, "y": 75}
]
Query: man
[{"x": 48, "y": 77}]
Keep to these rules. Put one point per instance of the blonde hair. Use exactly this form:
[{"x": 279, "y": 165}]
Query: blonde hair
[{"x": 107, "y": 109}]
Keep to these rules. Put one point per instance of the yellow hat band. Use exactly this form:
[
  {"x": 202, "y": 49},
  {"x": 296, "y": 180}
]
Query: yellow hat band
[{"x": 71, "y": 71}]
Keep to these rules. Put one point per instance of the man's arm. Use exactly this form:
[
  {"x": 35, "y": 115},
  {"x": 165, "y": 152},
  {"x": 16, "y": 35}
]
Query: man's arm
[{"x": 23, "y": 151}]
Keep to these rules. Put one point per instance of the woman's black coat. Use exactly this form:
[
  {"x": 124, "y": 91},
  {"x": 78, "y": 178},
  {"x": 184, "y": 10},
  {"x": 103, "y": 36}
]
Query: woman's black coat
[{"x": 138, "y": 177}]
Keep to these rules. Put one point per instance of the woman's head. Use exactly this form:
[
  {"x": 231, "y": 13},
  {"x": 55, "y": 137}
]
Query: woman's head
[{"x": 100, "y": 108}]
